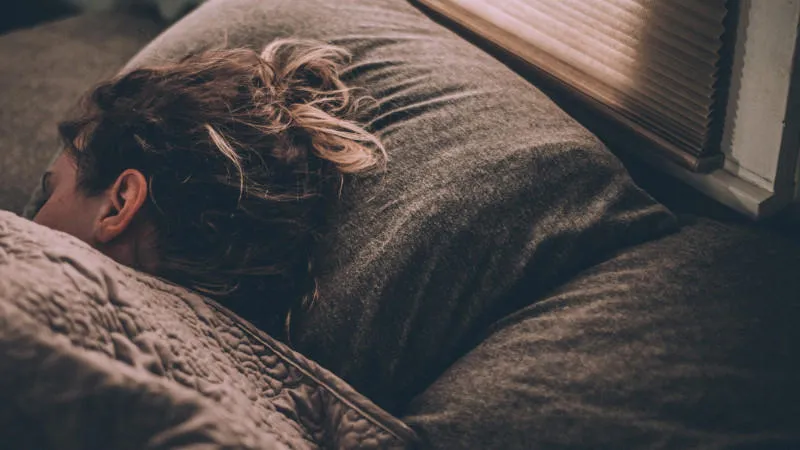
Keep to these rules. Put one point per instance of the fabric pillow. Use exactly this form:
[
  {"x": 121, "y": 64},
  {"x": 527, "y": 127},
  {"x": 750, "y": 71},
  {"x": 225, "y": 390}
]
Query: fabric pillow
[
  {"x": 96, "y": 355},
  {"x": 169, "y": 10},
  {"x": 689, "y": 341},
  {"x": 491, "y": 190}
]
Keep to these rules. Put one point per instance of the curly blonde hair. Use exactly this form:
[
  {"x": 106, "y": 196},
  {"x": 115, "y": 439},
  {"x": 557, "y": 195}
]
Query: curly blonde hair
[{"x": 239, "y": 148}]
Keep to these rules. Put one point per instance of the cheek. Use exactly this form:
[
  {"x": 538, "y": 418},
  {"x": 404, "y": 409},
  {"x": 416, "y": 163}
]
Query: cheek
[
  {"x": 64, "y": 213},
  {"x": 49, "y": 213}
]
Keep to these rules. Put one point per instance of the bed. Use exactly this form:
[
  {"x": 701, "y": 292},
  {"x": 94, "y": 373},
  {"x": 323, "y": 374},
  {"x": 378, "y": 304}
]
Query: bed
[{"x": 505, "y": 284}]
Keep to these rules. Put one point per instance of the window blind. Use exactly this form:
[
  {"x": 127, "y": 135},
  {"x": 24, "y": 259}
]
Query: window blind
[{"x": 653, "y": 66}]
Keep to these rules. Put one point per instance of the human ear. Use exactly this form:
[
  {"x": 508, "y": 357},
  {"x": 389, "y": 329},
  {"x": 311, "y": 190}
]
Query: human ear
[{"x": 124, "y": 200}]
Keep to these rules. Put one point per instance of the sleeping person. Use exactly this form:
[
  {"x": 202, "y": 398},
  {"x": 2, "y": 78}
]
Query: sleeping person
[{"x": 212, "y": 172}]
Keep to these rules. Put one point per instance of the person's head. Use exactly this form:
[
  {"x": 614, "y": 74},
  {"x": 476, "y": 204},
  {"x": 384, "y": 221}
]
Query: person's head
[{"x": 209, "y": 172}]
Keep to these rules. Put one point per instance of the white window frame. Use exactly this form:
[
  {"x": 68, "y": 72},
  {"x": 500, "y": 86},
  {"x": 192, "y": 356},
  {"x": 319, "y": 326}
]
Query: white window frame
[{"x": 761, "y": 135}]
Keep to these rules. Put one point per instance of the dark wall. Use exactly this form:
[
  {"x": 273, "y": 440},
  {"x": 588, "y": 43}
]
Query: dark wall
[{"x": 25, "y": 13}]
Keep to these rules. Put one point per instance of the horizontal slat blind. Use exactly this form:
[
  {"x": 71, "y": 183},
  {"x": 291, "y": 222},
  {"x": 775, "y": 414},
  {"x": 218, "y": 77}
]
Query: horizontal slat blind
[{"x": 650, "y": 64}]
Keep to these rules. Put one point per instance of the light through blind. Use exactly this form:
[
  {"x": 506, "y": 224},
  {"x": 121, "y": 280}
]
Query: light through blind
[{"x": 651, "y": 65}]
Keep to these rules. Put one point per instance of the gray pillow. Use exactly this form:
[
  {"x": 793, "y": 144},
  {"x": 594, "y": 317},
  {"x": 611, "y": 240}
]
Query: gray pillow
[
  {"x": 169, "y": 10},
  {"x": 491, "y": 190},
  {"x": 689, "y": 341}
]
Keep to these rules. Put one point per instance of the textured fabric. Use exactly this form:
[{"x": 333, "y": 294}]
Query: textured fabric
[
  {"x": 98, "y": 356},
  {"x": 686, "y": 342},
  {"x": 489, "y": 184},
  {"x": 44, "y": 71}
]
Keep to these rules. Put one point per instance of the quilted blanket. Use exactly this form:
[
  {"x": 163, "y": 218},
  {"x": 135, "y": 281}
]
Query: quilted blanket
[{"x": 98, "y": 355}]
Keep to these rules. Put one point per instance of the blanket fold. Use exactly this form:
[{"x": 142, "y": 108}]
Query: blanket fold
[{"x": 97, "y": 355}]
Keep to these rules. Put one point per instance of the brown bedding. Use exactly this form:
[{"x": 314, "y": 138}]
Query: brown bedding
[{"x": 96, "y": 355}]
